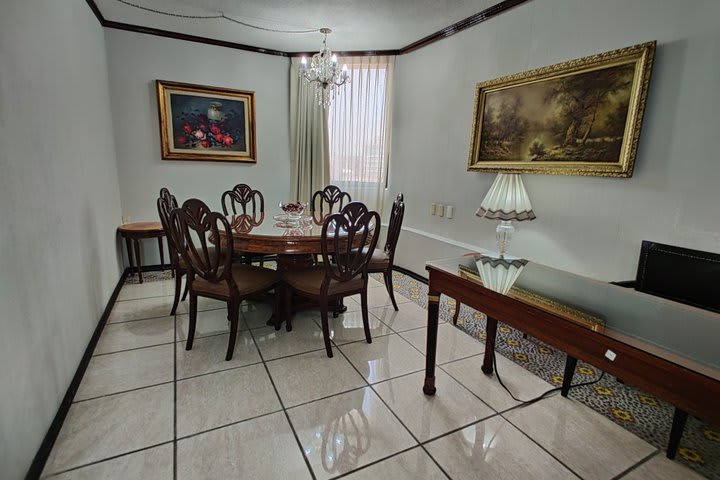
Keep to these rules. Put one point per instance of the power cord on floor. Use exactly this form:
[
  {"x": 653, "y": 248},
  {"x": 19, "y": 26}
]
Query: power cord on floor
[{"x": 542, "y": 395}]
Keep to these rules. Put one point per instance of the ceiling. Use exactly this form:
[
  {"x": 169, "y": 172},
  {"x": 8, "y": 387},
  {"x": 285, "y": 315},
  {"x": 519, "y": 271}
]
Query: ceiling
[{"x": 356, "y": 24}]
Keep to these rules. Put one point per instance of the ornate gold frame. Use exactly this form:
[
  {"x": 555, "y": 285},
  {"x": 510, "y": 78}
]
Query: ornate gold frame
[
  {"x": 566, "y": 312},
  {"x": 642, "y": 55},
  {"x": 164, "y": 87}
]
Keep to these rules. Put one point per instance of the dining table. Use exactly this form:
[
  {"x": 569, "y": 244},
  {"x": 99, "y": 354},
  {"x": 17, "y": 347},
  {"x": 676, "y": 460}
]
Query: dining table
[{"x": 296, "y": 242}]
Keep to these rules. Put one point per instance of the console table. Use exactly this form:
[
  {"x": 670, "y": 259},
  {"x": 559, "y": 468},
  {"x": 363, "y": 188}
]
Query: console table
[{"x": 665, "y": 348}]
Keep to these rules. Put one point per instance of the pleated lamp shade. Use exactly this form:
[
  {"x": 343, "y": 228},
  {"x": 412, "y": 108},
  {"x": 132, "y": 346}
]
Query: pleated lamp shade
[{"x": 507, "y": 200}]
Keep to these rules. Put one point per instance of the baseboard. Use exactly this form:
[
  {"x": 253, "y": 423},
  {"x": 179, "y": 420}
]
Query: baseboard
[
  {"x": 46, "y": 446},
  {"x": 411, "y": 274}
]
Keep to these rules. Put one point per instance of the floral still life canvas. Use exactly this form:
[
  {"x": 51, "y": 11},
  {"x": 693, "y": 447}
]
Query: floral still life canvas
[{"x": 206, "y": 123}]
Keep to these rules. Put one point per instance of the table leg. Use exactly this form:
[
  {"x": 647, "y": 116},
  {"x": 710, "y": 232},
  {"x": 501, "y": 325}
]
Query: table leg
[
  {"x": 490, "y": 334},
  {"x": 137, "y": 258},
  {"x": 431, "y": 349},
  {"x": 162, "y": 254},
  {"x": 570, "y": 364},
  {"x": 128, "y": 244},
  {"x": 676, "y": 432}
]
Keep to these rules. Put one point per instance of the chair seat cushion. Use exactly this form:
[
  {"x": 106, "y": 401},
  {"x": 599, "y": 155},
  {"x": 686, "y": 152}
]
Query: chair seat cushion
[
  {"x": 248, "y": 278},
  {"x": 309, "y": 281},
  {"x": 379, "y": 262}
]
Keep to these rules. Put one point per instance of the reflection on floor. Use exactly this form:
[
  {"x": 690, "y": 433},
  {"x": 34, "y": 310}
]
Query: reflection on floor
[{"x": 147, "y": 408}]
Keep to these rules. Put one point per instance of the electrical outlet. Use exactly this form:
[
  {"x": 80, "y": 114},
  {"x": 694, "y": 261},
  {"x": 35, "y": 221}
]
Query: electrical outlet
[
  {"x": 125, "y": 219},
  {"x": 433, "y": 208},
  {"x": 610, "y": 355},
  {"x": 441, "y": 210}
]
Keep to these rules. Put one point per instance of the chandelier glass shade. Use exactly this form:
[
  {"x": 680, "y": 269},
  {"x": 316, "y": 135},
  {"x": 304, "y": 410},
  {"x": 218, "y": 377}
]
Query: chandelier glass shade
[{"x": 324, "y": 73}]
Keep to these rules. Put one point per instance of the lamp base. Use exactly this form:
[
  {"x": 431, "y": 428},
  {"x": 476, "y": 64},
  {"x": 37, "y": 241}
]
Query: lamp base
[{"x": 503, "y": 235}]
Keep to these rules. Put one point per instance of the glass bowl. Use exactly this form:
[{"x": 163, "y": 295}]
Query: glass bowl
[{"x": 293, "y": 210}]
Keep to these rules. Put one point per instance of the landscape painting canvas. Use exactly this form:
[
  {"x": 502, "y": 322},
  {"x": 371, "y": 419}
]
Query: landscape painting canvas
[
  {"x": 206, "y": 123},
  {"x": 581, "y": 117}
]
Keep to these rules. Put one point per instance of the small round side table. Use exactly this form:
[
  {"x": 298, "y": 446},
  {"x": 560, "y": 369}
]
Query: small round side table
[{"x": 133, "y": 233}]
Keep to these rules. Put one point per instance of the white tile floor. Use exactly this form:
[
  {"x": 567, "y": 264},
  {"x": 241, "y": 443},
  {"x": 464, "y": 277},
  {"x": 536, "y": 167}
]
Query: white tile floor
[{"x": 147, "y": 408}]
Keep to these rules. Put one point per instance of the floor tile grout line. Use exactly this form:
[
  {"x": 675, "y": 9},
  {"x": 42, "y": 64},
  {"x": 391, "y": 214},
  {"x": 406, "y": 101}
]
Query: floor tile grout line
[
  {"x": 538, "y": 443},
  {"x": 638, "y": 464},
  {"x": 225, "y": 425},
  {"x": 104, "y": 354},
  {"x": 107, "y": 459},
  {"x": 395, "y": 415},
  {"x": 160, "y": 316},
  {"x": 75, "y": 402},
  {"x": 236, "y": 367},
  {"x": 284, "y": 410},
  {"x": 374, "y": 462}
]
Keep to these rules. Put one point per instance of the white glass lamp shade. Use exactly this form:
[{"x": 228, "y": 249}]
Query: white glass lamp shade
[
  {"x": 499, "y": 274},
  {"x": 507, "y": 200}
]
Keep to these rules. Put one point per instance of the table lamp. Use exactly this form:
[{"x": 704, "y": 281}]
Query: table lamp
[{"x": 506, "y": 201}]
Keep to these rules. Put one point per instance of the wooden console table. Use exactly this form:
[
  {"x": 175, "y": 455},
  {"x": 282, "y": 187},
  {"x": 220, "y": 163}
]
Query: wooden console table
[
  {"x": 662, "y": 347},
  {"x": 133, "y": 233}
]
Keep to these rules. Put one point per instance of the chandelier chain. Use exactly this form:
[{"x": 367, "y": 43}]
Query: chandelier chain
[{"x": 220, "y": 15}]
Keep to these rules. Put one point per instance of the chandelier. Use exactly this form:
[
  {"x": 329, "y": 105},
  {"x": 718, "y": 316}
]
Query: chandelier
[{"x": 324, "y": 73}]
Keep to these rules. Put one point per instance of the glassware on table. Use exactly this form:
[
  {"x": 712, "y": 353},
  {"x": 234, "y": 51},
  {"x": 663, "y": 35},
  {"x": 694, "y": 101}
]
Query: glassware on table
[{"x": 293, "y": 211}]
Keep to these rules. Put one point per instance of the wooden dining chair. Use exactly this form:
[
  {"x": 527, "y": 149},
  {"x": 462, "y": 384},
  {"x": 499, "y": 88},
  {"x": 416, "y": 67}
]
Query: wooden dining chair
[
  {"x": 210, "y": 271},
  {"x": 324, "y": 201},
  {"x": 382, "y": 260},
  {"x": 166, "y": 203},
  {"x": 244, "y": 200},
  {"x": 344, "y": 269}
]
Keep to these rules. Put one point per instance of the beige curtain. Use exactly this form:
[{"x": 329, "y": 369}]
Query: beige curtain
[
  {"x": 359, "y": 129},
  {"x": 310, "y": 162}
]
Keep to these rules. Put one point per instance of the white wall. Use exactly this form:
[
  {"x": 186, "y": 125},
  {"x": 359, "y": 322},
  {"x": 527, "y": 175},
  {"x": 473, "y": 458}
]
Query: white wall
[
  {"x": 588, "y": 225},
  {"x": 135, "y": 62},
  {"x": 59, "y": 208}
]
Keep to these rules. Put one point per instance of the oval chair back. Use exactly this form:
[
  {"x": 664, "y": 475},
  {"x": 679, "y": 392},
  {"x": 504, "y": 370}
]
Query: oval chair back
[
  {"x": 191, "y": 226},
  {"x": 166, "y": 203},
  {"x": 353, "y": 225},
  {"x": 240, "y": 198},
  {"x": 394, "y": 226},
  {"x": 327, "y": 198}
]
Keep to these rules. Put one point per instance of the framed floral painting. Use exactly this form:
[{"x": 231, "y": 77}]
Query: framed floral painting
[{"x": 206, "y": 123}]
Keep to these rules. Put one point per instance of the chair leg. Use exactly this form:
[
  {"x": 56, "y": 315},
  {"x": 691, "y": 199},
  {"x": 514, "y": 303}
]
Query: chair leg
[
  {"x": 366, "y": 320},
  {"x": 233, "y": 316},
  {"x": 279, "y": 296},
  {"x": 178, "y": 287},
  {"x": 193, "y": 320},
  {"x": 325, "y": 327},
  {"x": 387, "y": 275},
  {"x": 457, "y": 312},
  {"x": 287, "y": 307},
  {"x": 187, "y": 286}
]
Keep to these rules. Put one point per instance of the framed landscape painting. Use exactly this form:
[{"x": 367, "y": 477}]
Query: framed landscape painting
[
  {"x": 206, "y": 123},
  {"x": 581, "y": 117}
]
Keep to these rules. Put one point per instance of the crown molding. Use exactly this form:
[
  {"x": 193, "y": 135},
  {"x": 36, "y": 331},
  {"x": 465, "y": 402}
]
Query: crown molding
[{"x": 458, "y": 27}]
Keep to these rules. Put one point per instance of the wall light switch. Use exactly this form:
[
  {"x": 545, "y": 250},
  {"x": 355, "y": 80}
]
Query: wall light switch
[
  {"x": 433, "y": 208},
  {"x": 125, "y": 219},
  {"x": 449, "y": 211},
  {"x": 441, "y": 210}
]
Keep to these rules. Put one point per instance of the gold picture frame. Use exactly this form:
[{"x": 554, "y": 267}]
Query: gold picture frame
[
  {"x": 205, "y": 123},
  {"x": 581, "y": 117},
  {"x": 549, "y": 305}
]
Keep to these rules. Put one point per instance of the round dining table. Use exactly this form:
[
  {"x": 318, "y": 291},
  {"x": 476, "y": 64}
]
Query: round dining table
[{"x": 295, "y": 243}]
